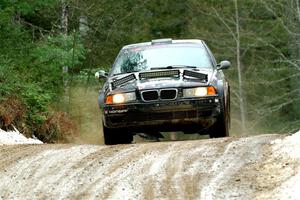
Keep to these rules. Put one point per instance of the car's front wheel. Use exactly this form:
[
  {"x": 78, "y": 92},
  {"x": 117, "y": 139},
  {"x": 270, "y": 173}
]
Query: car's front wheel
[
  {"x": 221, "y": 126},
  {"x": 116, "y": 136}
]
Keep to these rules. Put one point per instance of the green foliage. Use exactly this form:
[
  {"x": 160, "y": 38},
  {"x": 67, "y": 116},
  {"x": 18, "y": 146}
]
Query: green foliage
[
  {"x": 7, "y": 83},
  {"x": 33, "y": 97},
  {"x": 51, "y": 55},
  {"x": 28, "y": 7},
  {"x": 58, "y": 50},
  {"x": 31, "y": 62}
]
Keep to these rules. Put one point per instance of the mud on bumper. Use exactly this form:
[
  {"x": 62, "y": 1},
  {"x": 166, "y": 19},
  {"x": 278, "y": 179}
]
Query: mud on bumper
[{"x": 164, "y": 116}]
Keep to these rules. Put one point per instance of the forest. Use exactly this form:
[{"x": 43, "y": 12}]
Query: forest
[{"x": 50, "y": 50}]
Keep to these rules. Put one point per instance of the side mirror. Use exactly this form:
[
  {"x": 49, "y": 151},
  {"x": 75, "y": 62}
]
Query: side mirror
[
  {"x": 224, "y": 65},
  {"x": 101, "y": 74}
]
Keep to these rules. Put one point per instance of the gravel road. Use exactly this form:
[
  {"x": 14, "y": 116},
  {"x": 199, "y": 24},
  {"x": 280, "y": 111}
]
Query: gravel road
[{"x": 254, "y": 167}]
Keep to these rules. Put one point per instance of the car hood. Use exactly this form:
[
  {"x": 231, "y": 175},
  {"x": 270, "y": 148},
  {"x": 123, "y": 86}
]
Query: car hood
[{"x": 164, "y": 82}]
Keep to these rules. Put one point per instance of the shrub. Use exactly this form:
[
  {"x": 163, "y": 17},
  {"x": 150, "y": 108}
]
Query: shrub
[
  {"x": 58, "y": 127},
  {"x": 12, "y": 111}
]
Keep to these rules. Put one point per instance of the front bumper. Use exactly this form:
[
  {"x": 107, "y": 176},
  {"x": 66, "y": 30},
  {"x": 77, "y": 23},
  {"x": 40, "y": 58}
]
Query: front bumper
[{"x": 164, "y": 115}]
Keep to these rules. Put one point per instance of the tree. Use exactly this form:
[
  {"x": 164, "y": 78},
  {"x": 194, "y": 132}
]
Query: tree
[
  {"x": 264, "y": 61},
  {"x": 32, "y": 53}
]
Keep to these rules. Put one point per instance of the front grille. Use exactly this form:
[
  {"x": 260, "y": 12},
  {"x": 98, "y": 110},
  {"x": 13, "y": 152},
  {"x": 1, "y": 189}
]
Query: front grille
[
  {"x": 150, "y": 95},
  {"x": 164, "y": 94},
  {"x": 168, "y": 94}
]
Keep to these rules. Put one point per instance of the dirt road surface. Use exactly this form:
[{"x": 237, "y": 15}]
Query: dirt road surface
[{"x": 257, "y": 167}]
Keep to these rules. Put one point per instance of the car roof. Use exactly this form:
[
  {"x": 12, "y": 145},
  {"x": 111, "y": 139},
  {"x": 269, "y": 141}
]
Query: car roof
[{"x": 166, "y": 41}]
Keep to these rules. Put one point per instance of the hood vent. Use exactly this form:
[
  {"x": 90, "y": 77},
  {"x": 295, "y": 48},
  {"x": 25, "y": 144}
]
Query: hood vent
[
  {"x": 159, "y": 74},
  {"x": 197, "y": 75},
  {"x": 123, "y": 80}
]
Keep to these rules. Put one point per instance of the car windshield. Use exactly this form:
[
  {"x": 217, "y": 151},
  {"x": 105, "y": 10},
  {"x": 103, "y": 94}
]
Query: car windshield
[{"x": 160, "y": 57}]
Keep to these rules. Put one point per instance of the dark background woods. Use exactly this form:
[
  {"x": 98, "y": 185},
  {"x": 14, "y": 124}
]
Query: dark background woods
[{"x": 50, "y": 49}]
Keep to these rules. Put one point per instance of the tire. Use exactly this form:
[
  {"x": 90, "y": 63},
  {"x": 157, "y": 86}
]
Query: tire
[
  {"x": 221, "y": 126},
  {"x": 116, "y": 136}
]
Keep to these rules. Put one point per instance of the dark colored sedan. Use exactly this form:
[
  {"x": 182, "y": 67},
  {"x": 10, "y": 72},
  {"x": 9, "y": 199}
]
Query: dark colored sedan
[{"x": 164, "y": 85}]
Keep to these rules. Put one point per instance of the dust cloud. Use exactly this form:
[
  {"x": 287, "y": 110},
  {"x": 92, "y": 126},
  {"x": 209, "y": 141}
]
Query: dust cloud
[{"x": 86, "y": 114}]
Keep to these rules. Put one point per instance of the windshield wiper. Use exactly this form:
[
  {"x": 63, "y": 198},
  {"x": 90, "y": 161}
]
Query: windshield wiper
[{"x": 174, "y": 67}]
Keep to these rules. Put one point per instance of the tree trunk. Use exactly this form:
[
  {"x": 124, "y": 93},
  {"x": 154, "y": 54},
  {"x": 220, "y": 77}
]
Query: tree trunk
[
  {"x": 238, "y": 61},
  {"x": 293, "y": 21},
  {"x": 64, "y": 17},
  {"x": 65, "y": 69}
]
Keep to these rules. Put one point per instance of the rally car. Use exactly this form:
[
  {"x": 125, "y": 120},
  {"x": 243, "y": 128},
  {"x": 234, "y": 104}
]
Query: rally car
[{"x": 164, "y": 85}]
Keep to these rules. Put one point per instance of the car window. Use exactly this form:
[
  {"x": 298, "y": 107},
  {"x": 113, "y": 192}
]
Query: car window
[{"x": 161, "y": 56}]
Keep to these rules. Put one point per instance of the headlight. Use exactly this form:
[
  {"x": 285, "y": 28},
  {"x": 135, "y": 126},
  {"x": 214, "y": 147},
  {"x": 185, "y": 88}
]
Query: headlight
[
  {"x": 120, "y": 98},
  {"x": 199, "y": 91}
]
